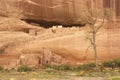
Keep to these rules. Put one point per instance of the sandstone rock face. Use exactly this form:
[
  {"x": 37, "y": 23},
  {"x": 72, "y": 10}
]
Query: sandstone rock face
[
  {"x": 10, "y": 8},
  {"x": 53, "y": 45},
  {"x": 58, "y": 11},
  {"x": 68, "y": 46},
  {"x": 30, "y": 59},
  {"x": 61, "y": 11},
  {"x": 41, "y": 59},
  {"x": 15, "y": 24},
  {"x": 52, "y": 58},
  {"x": 9, "y": 61}
]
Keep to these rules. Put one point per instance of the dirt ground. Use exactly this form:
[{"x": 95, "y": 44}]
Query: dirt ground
[{"x": 43, "y": 75}]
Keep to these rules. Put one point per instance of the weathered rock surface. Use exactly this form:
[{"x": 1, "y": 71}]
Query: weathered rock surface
[
  {"x": 63, "y": 11},
  {"x": 65, "y": 46},
  {"x": 53, "y": 45},
  {"x": 15, "y": 24}
]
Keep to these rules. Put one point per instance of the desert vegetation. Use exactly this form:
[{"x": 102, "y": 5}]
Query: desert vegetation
[{"x": 109, "y": 70}]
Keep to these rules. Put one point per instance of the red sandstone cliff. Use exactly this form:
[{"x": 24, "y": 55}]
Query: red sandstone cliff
[
  {"x": 59, "y": 46},
  {"x": 64, "y": 46},
  {"x": 62, "y": 11}
]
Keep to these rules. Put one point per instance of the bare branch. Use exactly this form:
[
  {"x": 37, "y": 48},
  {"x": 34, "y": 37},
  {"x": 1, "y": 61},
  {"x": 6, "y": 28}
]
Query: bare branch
[
  {"x": 100, "y": 25},
  {"x": 87, "y": 48},
  {"x": 90, "y": 40}
]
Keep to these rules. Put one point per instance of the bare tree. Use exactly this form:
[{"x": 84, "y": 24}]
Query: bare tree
[{"x": 95, "y": 19}]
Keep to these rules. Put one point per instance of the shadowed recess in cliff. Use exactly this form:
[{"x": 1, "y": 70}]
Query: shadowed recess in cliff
[{"x": 48, "y": 24}]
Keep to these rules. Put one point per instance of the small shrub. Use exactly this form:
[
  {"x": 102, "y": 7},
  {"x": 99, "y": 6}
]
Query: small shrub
[
  {"x": 117, "y": 63},
  {"x": 23, "y": 68},
  {"x": 88, "y": 66},
  {"x": 65, "y": 67},
  {"x": 80, "y": 67},
  {"x": 101, "y": 67},
  {"x": 47, "y": 66},
  {"x": 112, "y": 64}
]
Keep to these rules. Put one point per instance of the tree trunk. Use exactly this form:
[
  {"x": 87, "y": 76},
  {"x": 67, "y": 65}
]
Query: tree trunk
[{"x": 95, "y": 51}]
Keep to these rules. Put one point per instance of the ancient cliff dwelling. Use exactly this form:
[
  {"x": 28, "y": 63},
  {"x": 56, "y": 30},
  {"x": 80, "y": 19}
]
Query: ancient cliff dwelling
[{"x": 39, "y": 32}]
